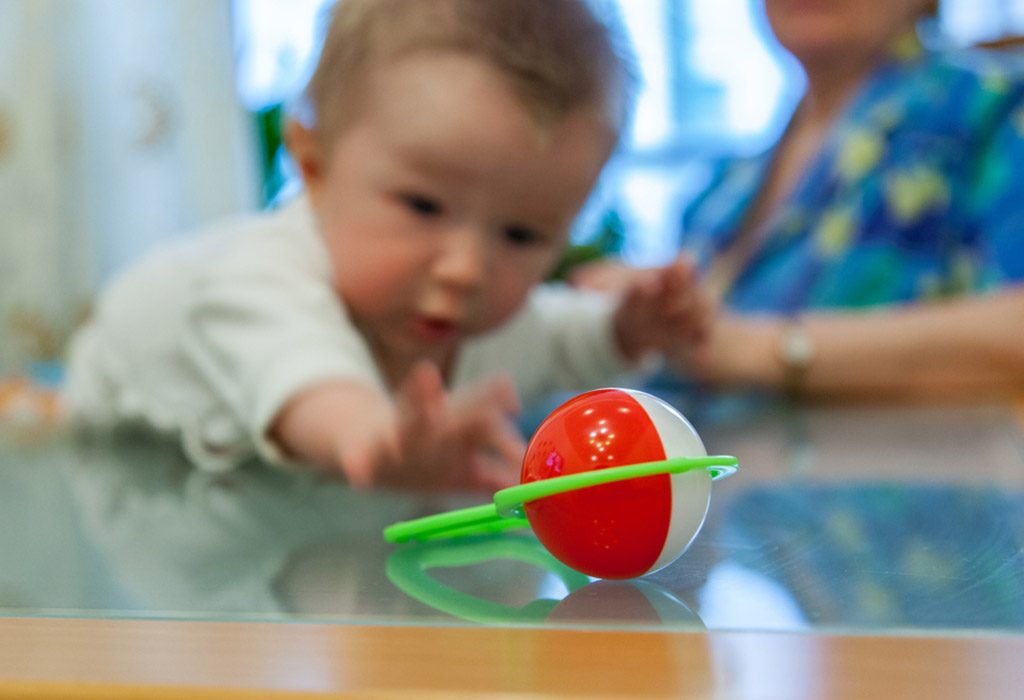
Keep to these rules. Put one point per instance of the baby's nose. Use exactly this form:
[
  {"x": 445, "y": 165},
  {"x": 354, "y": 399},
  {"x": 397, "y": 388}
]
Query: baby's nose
[{"x": 463, "y": 259}]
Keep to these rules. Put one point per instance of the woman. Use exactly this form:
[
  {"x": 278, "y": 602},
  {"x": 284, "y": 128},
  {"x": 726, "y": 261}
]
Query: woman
[{"x": 878, "y": 249}]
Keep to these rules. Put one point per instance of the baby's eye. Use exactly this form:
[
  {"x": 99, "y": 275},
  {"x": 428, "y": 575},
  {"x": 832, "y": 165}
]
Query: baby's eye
[
  {"x": 522, "y": 236},
  {"x": 421, "y": 205}
]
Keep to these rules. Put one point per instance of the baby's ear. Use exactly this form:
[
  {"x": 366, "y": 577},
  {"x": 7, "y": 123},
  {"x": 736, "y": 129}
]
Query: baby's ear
[{"x": 304, "y": 147}]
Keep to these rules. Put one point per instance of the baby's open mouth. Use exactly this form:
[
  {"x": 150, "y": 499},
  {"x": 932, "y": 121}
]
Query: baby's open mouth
[{"x": 436, "y": 330}]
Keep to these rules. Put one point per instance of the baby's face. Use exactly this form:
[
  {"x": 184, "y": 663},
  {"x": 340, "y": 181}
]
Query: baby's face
[{"x": 443, "y": 203}]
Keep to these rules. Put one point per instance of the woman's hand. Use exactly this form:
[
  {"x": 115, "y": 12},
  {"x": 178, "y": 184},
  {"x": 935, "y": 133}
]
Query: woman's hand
[{"x": 738, "y": 351}]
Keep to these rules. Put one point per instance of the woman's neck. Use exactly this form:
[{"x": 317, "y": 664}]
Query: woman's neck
[
  {"x": 835, "y": 74},
  {"x": 830, "y": 86}
]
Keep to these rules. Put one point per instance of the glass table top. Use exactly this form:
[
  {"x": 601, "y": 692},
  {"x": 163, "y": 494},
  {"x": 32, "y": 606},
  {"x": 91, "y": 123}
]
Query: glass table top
[{"x": 854, "y": 520}]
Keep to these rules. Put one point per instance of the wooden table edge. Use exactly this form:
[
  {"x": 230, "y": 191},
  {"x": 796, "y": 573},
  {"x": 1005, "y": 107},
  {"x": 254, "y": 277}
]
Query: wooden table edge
[{"x": 91, "y": 658}]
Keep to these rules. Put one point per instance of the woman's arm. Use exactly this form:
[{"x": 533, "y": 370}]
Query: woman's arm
[{"x": 965, "y": 348}]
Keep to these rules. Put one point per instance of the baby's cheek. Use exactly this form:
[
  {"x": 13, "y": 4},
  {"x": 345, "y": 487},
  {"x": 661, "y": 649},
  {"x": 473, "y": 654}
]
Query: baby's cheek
[
  {"x": 376, "y": 274},
  {"x": 369, "y": 293},
  {"x": 503, "y": 302}
]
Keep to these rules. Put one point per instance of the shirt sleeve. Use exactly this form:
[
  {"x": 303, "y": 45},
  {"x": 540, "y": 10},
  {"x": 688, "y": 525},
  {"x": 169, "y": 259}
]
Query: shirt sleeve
[
  {"x": 582, "y": 344},
  {"x": 562, "y": 340},
  {"x": 261, "y": 329}
]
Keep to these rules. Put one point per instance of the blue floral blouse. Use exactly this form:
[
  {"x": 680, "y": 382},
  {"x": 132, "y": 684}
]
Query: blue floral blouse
[{"x": 917, "y": 193}]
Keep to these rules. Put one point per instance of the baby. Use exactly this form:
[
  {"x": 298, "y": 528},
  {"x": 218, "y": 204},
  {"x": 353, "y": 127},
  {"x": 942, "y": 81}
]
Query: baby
[{"x": 386, "y": 324}]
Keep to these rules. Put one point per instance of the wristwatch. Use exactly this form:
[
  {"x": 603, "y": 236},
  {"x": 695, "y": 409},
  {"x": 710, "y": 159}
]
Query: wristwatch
[{"x": 796, "y": 352}]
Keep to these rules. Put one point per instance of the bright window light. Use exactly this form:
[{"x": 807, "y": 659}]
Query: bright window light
[
  {"x": 714, "y": 83},
  {"x": 275, "y": 41}
]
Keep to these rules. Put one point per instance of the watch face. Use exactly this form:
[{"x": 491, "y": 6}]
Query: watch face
[{"x": 797, "y": 348}]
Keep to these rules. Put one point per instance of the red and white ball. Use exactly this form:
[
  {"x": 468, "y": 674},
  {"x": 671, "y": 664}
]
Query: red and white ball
[{"x": 627, "y": 528}]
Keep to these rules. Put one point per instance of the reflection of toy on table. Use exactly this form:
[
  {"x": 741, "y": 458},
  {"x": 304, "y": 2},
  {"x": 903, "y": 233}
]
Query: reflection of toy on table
[{"x": 606, "y": 602}]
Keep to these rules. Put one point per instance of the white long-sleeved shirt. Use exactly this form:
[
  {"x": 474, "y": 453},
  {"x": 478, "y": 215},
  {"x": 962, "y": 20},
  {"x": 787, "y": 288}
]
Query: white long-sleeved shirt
[{"x": 211, "y": 336}]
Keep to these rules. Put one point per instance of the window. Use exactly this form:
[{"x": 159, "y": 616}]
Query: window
[{"x": 714, "y": 83}]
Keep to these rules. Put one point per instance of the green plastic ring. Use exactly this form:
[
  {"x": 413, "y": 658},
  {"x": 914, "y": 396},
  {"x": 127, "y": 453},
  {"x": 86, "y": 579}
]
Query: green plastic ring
[{"x": 506, "y": 510}]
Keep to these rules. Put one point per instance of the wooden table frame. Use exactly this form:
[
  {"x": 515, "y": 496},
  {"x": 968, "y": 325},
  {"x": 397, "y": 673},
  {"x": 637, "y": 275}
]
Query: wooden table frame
[{"x": 86, "y": 659}]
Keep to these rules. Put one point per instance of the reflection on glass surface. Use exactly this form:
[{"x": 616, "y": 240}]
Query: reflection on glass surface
[
  {"x": 863, "y": 520},
  {"x": 409, "y": 569},
  {"x": 736, "y": 597},
  {"x": 576, "y": 597},
  {"x": 887, "y": 553}
]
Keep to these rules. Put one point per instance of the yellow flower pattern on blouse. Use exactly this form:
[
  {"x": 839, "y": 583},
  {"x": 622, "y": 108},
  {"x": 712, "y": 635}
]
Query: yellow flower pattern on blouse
[
  {"x": 834, "y": 232},
  {"x": 996, "y": 81},
  {"x": 859, "y": 153},
  {"x": 906, "y": 48},
  {"x": 912, "y": 193}
]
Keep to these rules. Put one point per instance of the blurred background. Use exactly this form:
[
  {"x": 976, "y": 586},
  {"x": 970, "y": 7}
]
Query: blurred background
[{"x": 126, "y": 122}]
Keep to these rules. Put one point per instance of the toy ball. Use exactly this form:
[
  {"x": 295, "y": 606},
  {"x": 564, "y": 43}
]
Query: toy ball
[{"x": 627, "y": 528}]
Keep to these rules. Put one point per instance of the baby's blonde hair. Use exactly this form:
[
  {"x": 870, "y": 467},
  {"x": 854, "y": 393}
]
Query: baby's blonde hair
[{"x": 558, "y": 54}]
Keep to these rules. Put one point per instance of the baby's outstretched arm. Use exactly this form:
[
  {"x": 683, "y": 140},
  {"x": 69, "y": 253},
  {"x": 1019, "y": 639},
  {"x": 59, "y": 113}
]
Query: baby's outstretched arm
[
  {"x": 424, "y": 437},
  {"x": 662, "y": 310}
]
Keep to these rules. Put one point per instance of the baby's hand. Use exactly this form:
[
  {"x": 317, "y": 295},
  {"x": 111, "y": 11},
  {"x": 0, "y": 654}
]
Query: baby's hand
[
  {"x": 663, "y": 309},
  {"x": 462, "y": 439},
  {"x": 604, "y": 276}
]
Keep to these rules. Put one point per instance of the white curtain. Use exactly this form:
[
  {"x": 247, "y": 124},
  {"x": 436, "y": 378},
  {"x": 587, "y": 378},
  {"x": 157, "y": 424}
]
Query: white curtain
[{"x": 119, "y": 126}]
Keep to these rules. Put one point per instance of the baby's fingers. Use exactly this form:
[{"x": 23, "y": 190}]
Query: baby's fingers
[
  {"x": 495, "y": 393},
  {"x": 421, "y": 398},
  {"x": 503, "y": 439},
  {"x": 485, "y": 420},
  {"x": 704, "y": 313},
  {"x": 679, "y": 274},
  {"x": 492, "y": 473},
  {"x": 490, "y": 427},
  {"x": 503, "y": 392}
]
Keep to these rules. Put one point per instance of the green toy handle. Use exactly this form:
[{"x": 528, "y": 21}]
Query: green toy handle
[
  {"x": 465, "y": 521},
  {"x": 506, "y": 510}
]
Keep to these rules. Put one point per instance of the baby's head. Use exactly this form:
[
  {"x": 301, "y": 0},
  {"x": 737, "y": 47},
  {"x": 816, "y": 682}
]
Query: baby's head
[
  {"x": 446, "y": 147},
  {"x": 557, "y": 55}
]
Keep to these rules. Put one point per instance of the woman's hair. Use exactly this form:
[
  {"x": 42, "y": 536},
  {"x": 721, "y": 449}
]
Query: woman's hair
[{"x": 558, "y": 55}]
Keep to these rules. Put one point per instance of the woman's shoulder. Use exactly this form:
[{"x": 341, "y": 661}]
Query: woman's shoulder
[
  {"x": 960, "y": 95},
  {"x": 976, "y": 80},
  {"x": 979, "y": 63}
]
